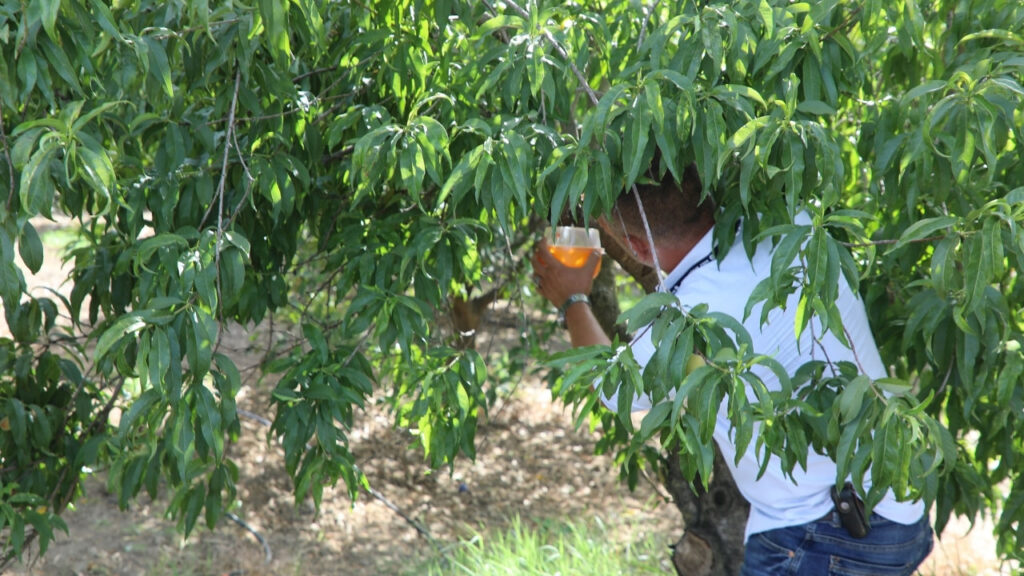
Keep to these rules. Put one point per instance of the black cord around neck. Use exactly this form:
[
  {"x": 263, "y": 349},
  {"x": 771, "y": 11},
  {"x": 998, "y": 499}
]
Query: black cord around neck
[{"x": 699, "y": 263}]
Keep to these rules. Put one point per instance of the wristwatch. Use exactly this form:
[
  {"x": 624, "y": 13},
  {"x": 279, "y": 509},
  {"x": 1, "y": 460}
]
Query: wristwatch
[{"x": 572, "y": 299}]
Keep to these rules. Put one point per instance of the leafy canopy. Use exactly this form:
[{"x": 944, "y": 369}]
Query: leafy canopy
[{"x": 354, "y": 167}]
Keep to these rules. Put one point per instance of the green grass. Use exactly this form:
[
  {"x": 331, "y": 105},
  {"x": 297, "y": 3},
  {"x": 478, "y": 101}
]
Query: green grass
[{"x": 552, "y": 549}]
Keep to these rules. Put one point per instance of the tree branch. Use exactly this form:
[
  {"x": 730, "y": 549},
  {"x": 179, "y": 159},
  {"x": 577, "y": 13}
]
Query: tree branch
[
  {"x": 229, "y": 137},
  {"x": 561, "y": 53},
  {"x": 305, "y": 75},
  {"x": 7, "y": 155},
  {"x": 643, "y": 25},
  {"x": 844, "y": 24},
  {"x": 227, "y": 149}
]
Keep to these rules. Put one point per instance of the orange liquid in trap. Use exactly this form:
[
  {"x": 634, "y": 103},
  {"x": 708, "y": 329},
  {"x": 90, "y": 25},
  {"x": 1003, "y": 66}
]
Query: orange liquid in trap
[{"x": 573, "y": 256}]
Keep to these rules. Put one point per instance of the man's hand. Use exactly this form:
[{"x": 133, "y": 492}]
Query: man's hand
[{"x": 556, "y": 281}]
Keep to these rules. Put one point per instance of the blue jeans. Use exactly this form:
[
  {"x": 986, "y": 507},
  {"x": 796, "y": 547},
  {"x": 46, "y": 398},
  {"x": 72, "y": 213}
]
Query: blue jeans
[{"x": 825, "y": 548}]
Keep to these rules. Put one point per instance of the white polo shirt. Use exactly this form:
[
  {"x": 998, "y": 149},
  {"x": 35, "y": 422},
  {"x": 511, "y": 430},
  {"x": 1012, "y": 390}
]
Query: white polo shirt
[{"x": 775, "y": 500}]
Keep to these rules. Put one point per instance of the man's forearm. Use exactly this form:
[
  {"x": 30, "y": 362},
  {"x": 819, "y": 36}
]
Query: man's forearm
[{"x": 584, "y": 329}]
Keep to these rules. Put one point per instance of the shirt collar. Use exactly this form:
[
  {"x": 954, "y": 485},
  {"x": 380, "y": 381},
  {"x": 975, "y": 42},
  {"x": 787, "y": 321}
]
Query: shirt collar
[{"x": 700, "y": 251}]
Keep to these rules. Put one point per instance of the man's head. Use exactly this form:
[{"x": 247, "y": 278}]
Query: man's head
[{"x": 675, "y": 214}]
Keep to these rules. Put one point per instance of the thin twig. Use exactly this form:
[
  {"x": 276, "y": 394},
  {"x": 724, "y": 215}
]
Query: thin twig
[
  {"x": 889, "y": 241},
  {"x": 7, "y": 155},
  {"x": 339, "y": 155},
  {"x": 945, "y": 380},
  {"x": 179, "y": 33},
  {"x": 817, "y": 343},
  {"x": 853, "y": 350},
  {"x": 844, "y": 24},
  {"x": 268, "y": 555},
  {"x": 249, "y": 181},
  {"x": 314, "y": 72},
  {"x": 221, "y": 186},
  {"x": 562, "y": 54},
  {"x": 227, "y": 147},
  {"x": 650, "y": 237},
  {"x": 643, "y": 25}
]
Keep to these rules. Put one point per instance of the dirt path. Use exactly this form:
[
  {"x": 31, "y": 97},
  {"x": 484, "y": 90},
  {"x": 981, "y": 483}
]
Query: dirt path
[{"x": 531, "y": 463}]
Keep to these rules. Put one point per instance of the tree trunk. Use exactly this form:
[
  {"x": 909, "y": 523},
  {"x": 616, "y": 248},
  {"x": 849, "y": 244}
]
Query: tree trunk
[
  {"x": 605, "y": 302},
  {"x": 712, "y": 543}
]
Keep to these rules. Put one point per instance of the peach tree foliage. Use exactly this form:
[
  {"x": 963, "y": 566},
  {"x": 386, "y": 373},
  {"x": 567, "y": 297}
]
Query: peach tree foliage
[{"x": 350, "y": 167}]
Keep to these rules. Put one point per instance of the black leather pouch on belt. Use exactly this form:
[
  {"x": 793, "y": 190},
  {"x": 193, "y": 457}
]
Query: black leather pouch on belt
[{"x": 851, "y": 511}]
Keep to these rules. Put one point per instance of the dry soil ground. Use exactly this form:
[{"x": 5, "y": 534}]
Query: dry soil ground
[{"x": 531, "y": 463}]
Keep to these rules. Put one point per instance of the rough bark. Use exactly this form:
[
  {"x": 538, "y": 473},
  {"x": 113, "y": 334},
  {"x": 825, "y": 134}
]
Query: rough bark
[
  {"x": 466, "y": 315},
  {"x": 712, "y": 544},
  {"x": 604, "y": 300},
  {"x": 644, "y": 275}
]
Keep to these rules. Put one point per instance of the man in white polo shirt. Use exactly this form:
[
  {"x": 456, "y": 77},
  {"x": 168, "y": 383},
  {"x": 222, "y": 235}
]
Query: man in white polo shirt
[{"x": 793, "y": 528}]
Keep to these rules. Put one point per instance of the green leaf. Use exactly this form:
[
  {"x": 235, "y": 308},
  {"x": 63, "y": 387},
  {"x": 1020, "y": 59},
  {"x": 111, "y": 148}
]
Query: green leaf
[
  {"x": 18, "y": 535},
  {"x": 126, "y": 325},
  {"x": 239, "y": 241},
  {"x": 140, "y": 406},
  {"x": 148, "y": 247},
  {"x": 923, "y": 229},
  {"x": 232, "y": 275},
  {"x": 816, "y": 108},
  {"x": 894, "y": 386},
  {"x": 1006, "y": 36},
  {"x": 315, "y": 338},
  {"x": 764, "y": 10},
  {"x": 520, "y": 164},
  {"x": 275, "y": 21},
  {"x": 851, "y": 399},
  {"x": 207, "y": 416},
  {"x": 654, "y": 419},
  {"x": 647, "y": 309},
  {"x": 634, "y": 141},
  {"x": 84, "y": 119},
  {"x": 921, "y": 90},
  {"x": 60, "y": 63},
  {"x": 193, "y": 506},
  {"x": 786, "y": 252},
  {"x": 976, "y": 274},
  {"x": 739, "y": 90},
  {"x": 500, "y": 21},
  {"x": 31, "y": 248},
  {"x": 159, "y": 67},
  {"x": 37, "y": 186},
  {"x": 412, "y": 169},
  {"x": 105, "y": 18},
  {"x": 46, "y": 11},
  {"x": 599, "y": 119},
  {"x": 740, "y": 137},
  {"x": 943, "y": 265},
  {"x": 682, "y": 82},
  {"x": 99, "y": 171},
  {"x": 200, "y": 341}
]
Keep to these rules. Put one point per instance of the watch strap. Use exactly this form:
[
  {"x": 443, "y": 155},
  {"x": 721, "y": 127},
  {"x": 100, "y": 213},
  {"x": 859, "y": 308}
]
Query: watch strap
[{"x": 572, "y": 299}]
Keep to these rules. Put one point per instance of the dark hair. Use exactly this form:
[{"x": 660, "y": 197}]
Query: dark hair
[{"x": 669, "y": 206}]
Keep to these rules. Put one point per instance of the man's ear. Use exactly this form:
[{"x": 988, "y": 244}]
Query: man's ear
[{"x": 640, "y": 247}]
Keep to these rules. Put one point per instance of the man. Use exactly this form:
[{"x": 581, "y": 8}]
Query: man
[{"x": 793, "y": 527}]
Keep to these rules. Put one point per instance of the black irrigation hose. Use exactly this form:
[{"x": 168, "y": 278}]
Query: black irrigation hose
[{"x": 268, "y": 555}]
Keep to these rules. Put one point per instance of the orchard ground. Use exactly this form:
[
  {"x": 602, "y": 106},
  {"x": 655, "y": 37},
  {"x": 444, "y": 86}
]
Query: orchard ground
[{"x": 531, "y": 463}]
